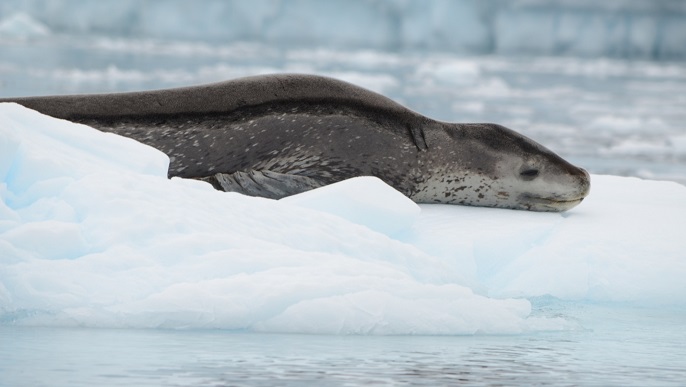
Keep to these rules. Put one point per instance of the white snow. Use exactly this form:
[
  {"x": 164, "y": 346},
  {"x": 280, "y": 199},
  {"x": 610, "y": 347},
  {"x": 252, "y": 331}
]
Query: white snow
[
  {"x": 92, "y": 233},
  {"x": 380, "y": 208}
]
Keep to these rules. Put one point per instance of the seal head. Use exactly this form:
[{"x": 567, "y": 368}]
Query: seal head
[{"x": 490, "y": 165}]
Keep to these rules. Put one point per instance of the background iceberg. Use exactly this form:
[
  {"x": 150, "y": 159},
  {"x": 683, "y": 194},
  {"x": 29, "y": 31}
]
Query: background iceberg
[{"x": 619, "y": 28}]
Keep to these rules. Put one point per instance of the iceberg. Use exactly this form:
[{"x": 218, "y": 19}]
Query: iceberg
[
  {"x": 94, "y": 234},
  {"x": 619, "y": 28},
  {"x": 22, "y": 26}
]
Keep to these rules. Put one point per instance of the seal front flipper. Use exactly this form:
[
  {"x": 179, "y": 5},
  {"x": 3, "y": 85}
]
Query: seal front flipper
[{"x": 265, "y": 183}]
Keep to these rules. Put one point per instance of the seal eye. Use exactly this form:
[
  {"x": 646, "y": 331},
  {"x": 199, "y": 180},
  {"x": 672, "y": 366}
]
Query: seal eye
[{"x": 529, "y": 174}]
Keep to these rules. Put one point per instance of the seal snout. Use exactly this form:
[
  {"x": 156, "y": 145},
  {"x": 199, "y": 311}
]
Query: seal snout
[
  {"x": 584, "y": 183},
  {"x": 571, "y": 187}
]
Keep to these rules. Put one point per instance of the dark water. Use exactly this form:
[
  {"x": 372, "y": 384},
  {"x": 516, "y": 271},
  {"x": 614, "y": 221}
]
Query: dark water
[{"x": 623, "y": 347}]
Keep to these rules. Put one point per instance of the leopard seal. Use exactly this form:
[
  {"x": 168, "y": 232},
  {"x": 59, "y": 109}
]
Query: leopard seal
[{"x": 281, "y": 134}]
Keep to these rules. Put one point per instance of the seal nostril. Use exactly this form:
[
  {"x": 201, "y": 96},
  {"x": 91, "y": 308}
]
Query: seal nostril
[{"x": 529, "y": 174}]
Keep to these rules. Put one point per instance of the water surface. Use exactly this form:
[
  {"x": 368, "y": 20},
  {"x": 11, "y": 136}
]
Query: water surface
[{"x": 614, "y": 346}]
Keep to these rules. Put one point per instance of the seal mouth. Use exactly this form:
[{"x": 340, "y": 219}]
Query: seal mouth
[
  {"x": 551, "y": 204},
  {"x": 542, "y": 200}
]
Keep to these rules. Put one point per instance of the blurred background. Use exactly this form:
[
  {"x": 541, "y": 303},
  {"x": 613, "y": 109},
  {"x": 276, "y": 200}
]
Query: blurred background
[{"x": 603, "y": 83}]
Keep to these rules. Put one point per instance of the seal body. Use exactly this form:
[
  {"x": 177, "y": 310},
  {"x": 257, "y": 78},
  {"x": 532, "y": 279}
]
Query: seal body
[{"x": 277, "y": 135}]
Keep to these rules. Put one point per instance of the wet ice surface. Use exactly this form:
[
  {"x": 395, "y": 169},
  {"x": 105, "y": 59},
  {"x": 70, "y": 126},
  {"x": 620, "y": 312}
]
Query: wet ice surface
[
  {"x": 610, "y": 116},
  {"x": 619, "y": 351}
]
